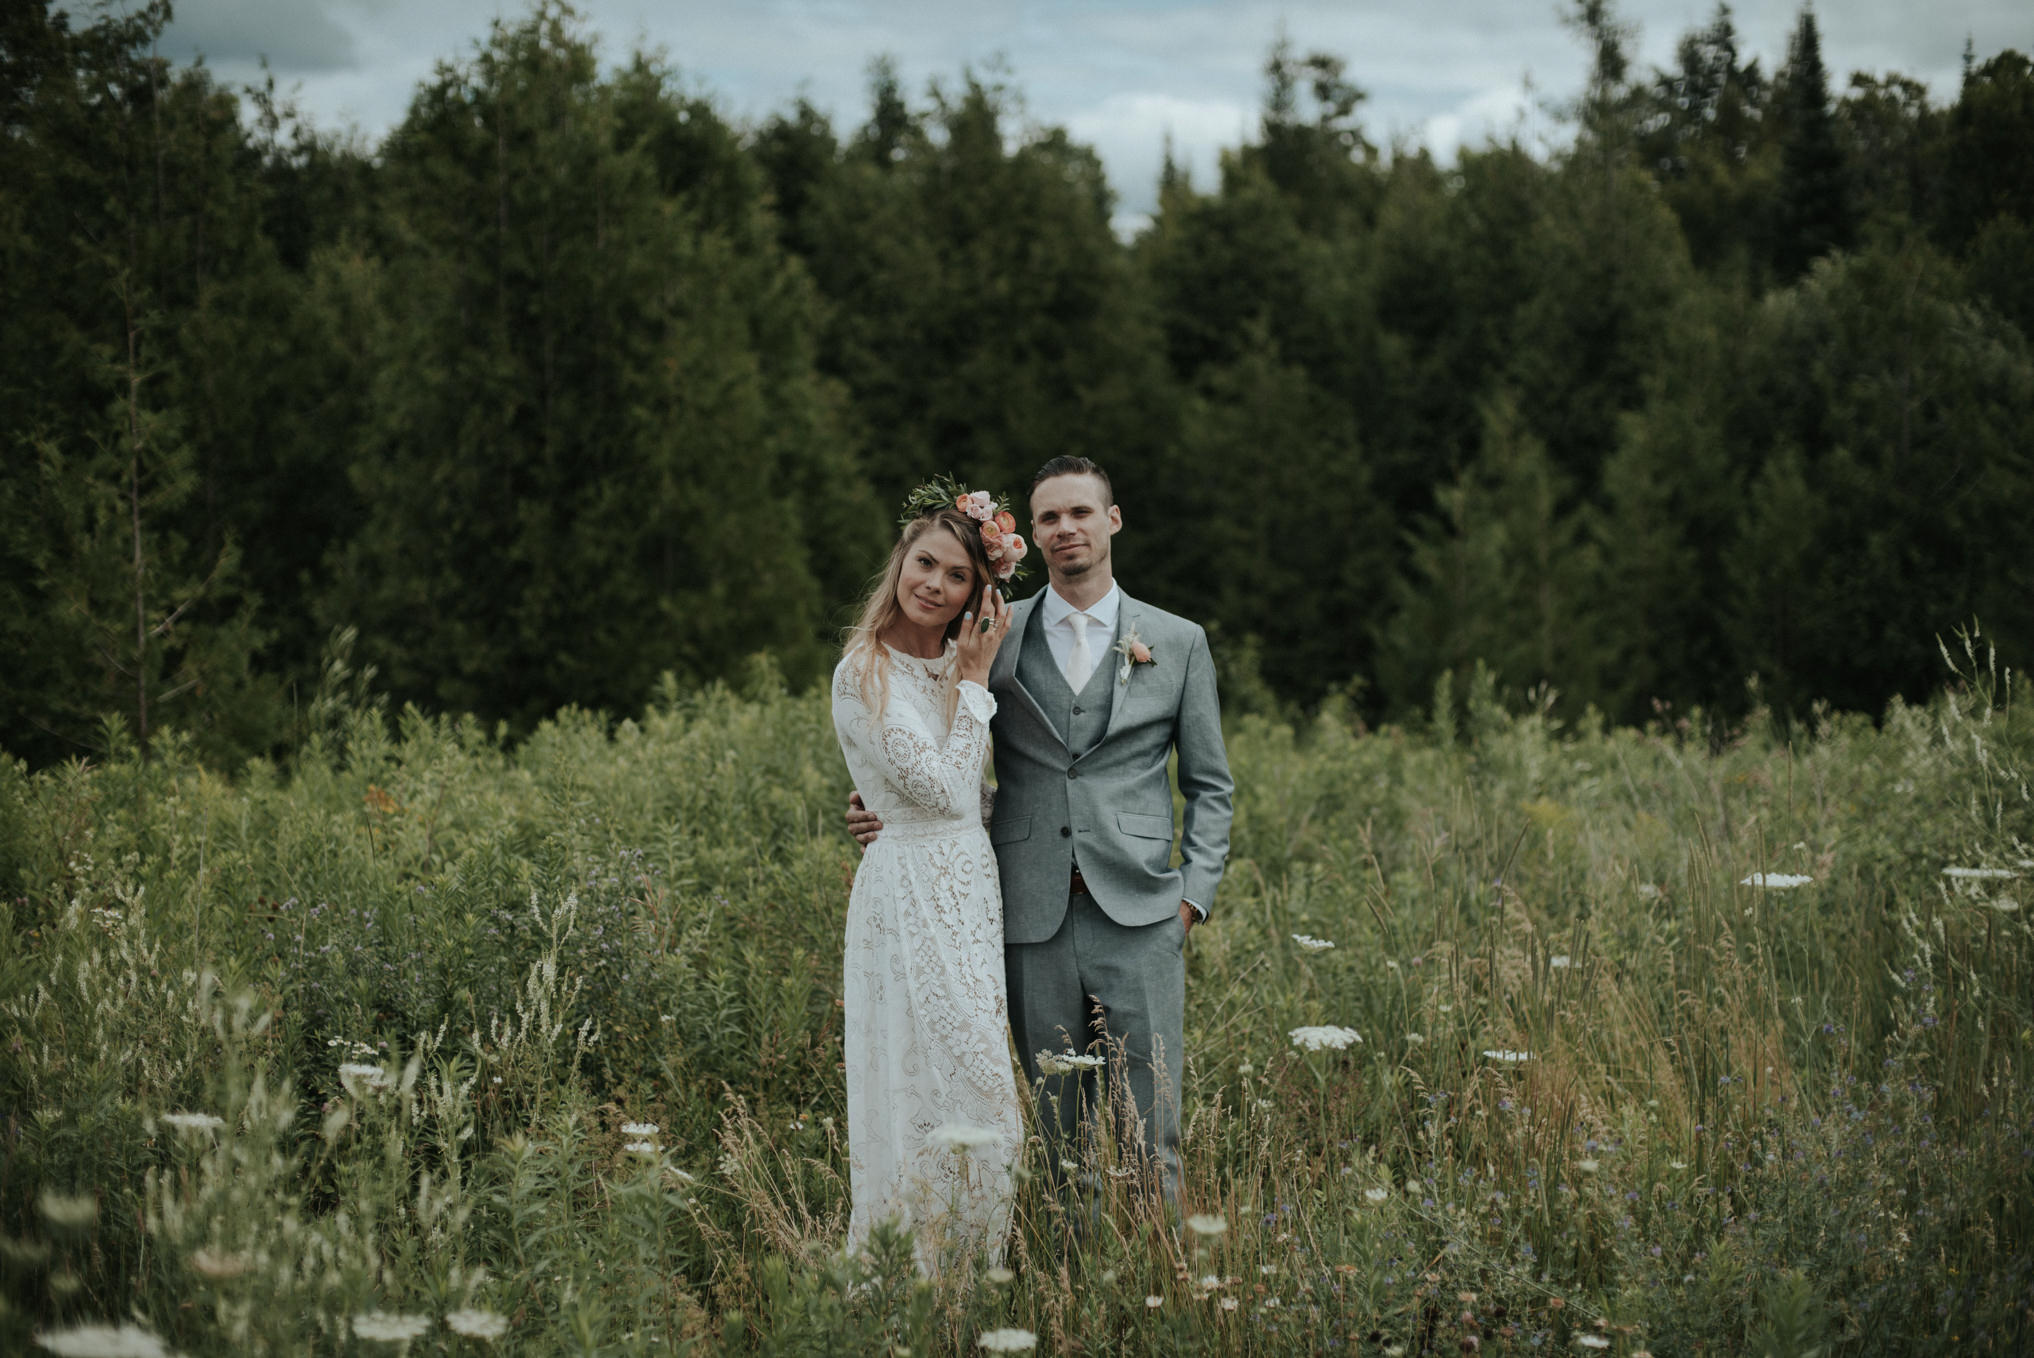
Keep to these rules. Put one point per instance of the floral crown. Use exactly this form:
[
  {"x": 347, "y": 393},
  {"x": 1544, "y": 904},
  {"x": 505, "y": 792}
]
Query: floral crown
[{"x": 1000, "y": 541}]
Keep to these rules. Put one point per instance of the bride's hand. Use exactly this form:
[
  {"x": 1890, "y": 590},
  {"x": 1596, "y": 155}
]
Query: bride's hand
[{"x": 981, "y": 633}]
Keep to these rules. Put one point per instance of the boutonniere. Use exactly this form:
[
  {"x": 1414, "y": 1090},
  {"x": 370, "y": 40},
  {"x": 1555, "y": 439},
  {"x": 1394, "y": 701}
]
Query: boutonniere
[{"x": 1134, "y": 652}]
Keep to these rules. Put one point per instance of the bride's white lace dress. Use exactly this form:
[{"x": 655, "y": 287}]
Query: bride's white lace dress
[{"x": 924, "y": 1001}]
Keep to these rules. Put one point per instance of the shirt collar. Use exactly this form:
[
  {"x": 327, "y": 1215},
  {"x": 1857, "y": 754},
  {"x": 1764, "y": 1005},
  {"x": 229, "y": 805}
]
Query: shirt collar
[{"x": 1103, "y": 610}]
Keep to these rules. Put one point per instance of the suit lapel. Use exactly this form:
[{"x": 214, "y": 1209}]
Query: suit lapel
[
  {"x": 1006, "y": 663},
  {"x": 1128, "y": 613}
]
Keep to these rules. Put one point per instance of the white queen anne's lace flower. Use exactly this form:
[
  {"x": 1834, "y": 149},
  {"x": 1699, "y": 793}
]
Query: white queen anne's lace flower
[
  {"x": 1979, "y": 873},
  {"x": 477, "y": 1324},
  {"x": 1312, "y": 944},
  {"x": 1066, "y": 1063},
  {"x": 641, "y": 1148},
  {"x": 70, "y": 1210},
  {"x": 1507, "y": 1056},
  {"x": 1007, "y": 1341},
  {"x": 1326, "y": 1037},
  {"x": 639, "y": 1129},
  {"x": 373, "y": 1076},
  {"x": 1203, "y": 1223},
  {"x": 102, "y": 1341},
  {"x": 1774, "y": 881},
  {"x": 194, "y": 1122},
  {"x": 389, "y": 1327}
]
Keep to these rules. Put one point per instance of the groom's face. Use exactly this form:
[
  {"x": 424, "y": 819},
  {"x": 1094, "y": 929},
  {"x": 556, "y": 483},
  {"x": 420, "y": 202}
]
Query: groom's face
[{"x": 1071, "y": 523}]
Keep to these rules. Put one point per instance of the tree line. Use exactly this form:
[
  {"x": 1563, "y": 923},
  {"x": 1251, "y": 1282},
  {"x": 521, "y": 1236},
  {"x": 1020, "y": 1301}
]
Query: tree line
[{"x": 572, "y": 382}]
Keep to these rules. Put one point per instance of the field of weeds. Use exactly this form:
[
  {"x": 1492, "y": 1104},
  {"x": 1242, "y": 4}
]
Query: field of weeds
[{"x": 423, "y": 1044}]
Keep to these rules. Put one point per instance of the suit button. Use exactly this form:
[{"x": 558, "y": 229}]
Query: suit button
[
  {"x": 1077, "y": 709},
  {"x": 1066, "y": 832},
  {"x": 1073, "y": 773}
]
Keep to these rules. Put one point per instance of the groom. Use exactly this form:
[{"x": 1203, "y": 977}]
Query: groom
[{"x": 1094, "y": 691}]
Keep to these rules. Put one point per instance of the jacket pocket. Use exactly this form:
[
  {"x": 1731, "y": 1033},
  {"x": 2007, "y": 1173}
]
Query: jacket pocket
[
  {"x": 1010, "y": 831},
  {"x": 1144, "y": 827}
]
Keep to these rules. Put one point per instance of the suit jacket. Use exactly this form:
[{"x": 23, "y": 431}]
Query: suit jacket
[{"x": 1110, "y": 804}]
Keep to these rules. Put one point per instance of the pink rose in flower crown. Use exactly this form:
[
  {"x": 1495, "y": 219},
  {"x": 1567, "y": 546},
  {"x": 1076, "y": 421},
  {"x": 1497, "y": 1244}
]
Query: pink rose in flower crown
[
  {"x": 991, "y": 531},
  {"x": 1006, "y": 568},
  {"x": 978, "y": 505},
  {"x": 994, "y": 548},
  {"x": 1005, "y": 521},
  {"x": 1014, "y": 548}
]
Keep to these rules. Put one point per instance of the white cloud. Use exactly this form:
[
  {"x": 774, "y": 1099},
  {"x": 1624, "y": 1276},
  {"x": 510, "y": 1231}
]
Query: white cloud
[
  {"x": 1117, "y": 74},
  {"x": 1129, "y": 132}
]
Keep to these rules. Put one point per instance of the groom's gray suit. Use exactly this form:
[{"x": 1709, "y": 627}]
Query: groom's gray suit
[{"x": 1082, "y": 786}]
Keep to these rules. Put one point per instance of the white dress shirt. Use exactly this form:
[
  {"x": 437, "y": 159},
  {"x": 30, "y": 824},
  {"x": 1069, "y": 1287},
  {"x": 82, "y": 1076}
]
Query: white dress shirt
[{"x": 1059, "y": 628}]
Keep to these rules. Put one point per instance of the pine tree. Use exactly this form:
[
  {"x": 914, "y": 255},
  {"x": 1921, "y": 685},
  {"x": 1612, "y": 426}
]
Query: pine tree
[
  {"x": 598, "y": 449},
  {"x": 1813, "y": 211},
  {"x": 1706, "y": 141},
  {"x": 1291, "y": 547},
  {"x": 1505, "y": 574},
  {"x": 121, "y": 589}
]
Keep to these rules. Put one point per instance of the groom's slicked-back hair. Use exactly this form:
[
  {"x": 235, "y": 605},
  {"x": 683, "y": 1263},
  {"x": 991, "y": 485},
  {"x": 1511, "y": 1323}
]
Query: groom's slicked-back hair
[{"x": 1075, "y": 466}]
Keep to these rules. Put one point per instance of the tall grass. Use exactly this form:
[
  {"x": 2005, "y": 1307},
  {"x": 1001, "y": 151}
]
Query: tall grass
[{"x": 288, "y": 1056}]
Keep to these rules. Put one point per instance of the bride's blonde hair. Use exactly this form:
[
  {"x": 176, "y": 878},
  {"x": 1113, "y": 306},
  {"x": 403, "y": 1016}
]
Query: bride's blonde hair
[{"x": 863, "y": 643}]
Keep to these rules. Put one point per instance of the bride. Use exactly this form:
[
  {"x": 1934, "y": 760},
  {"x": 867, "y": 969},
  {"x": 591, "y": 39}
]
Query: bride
[{"x": 933, "y": 1122}]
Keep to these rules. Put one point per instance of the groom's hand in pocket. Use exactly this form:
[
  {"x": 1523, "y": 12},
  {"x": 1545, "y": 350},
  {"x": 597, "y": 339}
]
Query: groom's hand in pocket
[
  {"x": 1188, "y": 916},
  {"x": 862, "y": 822}
]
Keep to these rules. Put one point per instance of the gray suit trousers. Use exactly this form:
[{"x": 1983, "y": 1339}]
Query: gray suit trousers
[{"x": 1139, "y": 974}]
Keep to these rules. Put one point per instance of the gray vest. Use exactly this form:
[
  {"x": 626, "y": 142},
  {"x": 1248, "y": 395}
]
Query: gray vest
[{"x": 1083, "y": 718}]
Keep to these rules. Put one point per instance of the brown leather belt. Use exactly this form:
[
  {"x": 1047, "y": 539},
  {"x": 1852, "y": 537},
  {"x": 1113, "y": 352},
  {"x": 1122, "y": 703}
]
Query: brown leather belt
[{"x": 1078, "y": 886}]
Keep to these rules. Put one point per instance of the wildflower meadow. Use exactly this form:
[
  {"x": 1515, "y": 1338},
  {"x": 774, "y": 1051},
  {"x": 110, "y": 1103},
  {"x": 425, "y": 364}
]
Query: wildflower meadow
[{"x": 1505, "y": 1036}]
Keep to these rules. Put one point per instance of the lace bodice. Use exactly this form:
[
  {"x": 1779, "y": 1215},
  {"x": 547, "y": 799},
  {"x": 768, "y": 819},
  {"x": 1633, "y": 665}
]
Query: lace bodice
[{"x": 913, "y": 770}]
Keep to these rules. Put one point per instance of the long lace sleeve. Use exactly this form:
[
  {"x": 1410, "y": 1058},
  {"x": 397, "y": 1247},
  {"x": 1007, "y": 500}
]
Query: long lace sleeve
[
  {"x": 988, "y": 800},
  {"x": 941, "y": 779}
]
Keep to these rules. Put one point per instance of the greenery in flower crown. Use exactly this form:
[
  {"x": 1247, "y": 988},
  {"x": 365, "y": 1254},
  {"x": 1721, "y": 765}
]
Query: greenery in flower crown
[{"x": 1005, "y": 548}]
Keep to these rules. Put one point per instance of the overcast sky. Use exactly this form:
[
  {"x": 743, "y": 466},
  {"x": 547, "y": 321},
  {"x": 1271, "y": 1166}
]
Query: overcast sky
[{"x": 1119, "y": 74}]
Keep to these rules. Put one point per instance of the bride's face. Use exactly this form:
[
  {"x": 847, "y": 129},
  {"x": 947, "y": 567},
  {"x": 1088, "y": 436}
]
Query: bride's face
[{"x": 938, "y": 580}]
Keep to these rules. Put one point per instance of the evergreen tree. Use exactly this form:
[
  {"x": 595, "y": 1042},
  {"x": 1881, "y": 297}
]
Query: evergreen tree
[
  {"x": 1672, "y": 497},
  {"x": 120, "y": 589},
  {"x": 1891, "y": 138},
  {"x": 1989, "y": 159},
  {"x": 1606, "y": 264},
  {"x": 1706, "y": 141},
  {"x": 1504, "y": 574},
  {"x": 1987, "y": 176},
  {"x": 598, "y": 450},
  {"x": 981, "y": 315},
  {"x": 1888, "y": 514},
  {"x": 1813, "y": 209},
  {"x": 1290, "y": 544}
]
